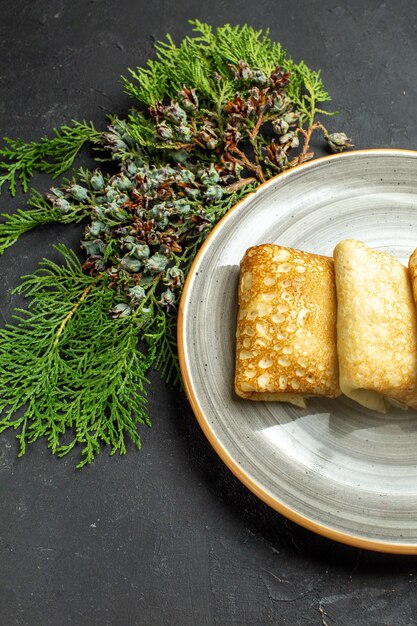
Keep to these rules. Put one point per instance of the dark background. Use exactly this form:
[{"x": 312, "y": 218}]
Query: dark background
[{"x": 168, "y": 536}]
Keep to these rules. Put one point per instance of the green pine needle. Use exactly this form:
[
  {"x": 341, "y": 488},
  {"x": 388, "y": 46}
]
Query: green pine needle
[
  {"x": 71, "y": 374},
  {"x": 306, "y": 91},
  {"x": 52, "y": 156},
  {"x": 197, "y": 58},
  {"x": 40, "y": 212}
]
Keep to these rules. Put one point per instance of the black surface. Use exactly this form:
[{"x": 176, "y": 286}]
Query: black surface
[{"x": 167, "y": 535}]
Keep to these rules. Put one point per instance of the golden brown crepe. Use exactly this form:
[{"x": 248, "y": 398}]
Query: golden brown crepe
[
  {"x": 412, "y": 268},
  {"x": 286, "y": 327},
  {"x": 376, "y": 327}
]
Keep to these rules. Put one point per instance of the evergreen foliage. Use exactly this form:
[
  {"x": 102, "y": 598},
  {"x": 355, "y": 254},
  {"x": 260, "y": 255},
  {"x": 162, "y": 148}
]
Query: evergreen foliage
[{"x": 218, "y": 114}]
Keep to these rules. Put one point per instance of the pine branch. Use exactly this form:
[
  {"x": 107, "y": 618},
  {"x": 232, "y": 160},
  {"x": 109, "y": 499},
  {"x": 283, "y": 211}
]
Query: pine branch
[
  {"x": 235, "y": 43},
  {"x": 20, "y": 222},
  {"x": 196, "y": 60},
  {"x": 53, "y": 156},
  {"x": 160, "y": 79},
  {"x": 151, "y": 83},
  {"x": 70, "y": 373},
  {"x": 40, "y": 212},
  {"x": 306, "y": 91}
]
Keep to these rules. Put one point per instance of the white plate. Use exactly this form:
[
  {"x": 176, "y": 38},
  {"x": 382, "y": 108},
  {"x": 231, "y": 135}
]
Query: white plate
[{"x": 335, "y": 468}]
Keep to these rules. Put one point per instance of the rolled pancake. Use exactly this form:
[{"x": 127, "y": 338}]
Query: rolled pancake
[
  {"x": 376, "y": 327},
  {"x": 286, "y": 327},
  {"x": 412, "y": 268}
]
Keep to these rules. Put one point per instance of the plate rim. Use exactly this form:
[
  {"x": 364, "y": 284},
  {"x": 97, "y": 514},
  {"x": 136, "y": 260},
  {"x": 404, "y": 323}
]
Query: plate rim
[{"x": 272, "y": 501}]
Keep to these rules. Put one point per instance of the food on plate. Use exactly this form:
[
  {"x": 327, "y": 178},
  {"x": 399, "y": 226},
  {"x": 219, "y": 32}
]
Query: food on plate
[
  {"x": 412, "y": 268},
  {"x": 376, "y": 327},
  {"x": 286, "y": 326}
]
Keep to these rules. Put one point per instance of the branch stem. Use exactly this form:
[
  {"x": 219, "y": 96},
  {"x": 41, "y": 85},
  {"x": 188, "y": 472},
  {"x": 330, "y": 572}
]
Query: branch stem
[
  {"x": 307, "y": 138},
  {"x": 257, "y": 127},
  {"x": 245, "y": 162},
  {"x": 70, "y": 314}
]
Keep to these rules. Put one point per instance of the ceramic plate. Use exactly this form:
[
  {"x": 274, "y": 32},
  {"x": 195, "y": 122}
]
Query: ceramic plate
[{"x": 335, "y": 468}]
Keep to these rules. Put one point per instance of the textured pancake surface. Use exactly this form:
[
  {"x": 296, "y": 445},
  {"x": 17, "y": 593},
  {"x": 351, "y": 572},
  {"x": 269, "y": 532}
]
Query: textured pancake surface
[
  {"x": 376, "y": 327},
  {"x": 286, "y": 328}
]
